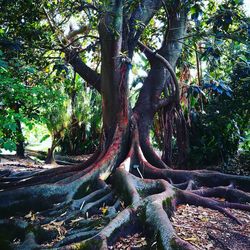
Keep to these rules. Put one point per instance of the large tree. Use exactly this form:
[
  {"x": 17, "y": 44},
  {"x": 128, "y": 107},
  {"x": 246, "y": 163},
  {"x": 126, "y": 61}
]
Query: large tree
[{"x": 124, "y": 173}]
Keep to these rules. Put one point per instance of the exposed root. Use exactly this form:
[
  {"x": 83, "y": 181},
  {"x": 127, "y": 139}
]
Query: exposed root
[
  {"x": 151, "y": 155},
  {"x": 82, "y": 208},
  {"x": 76, "y": 237},
  {"x": 29, "y": 242},
  {"x": 186, "y": 197},
  {"x": 43, "y": 196},
  {"x": 45, "y": 176},
  {"x": 199, "y": 177},
  {"x": 229, "y": 193},
  {"x": 78, "y": 204}
]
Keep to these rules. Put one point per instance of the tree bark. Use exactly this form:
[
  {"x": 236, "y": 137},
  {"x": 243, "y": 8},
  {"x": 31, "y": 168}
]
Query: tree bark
[
  {"x": 158, "y": 78},
  {"x": 114, "y": 72},
  {"x": 50, "y": 159},
  {"x": 173, "y": 115},
  {"x": 20, "y": 151},
  {"x": 20, "y": 141}
]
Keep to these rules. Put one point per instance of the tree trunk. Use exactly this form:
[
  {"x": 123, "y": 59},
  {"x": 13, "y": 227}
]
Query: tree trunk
[
  {"x": 167, "y": 128},
  {"x": 114, "y": 77},
  {"x": 173, "y": 118},
  {"x": 20, "y": 141},
  {"x": 20, "y": 151},
  {"x": 50, "y": 156},
  {"x": 50, "y": 159}
]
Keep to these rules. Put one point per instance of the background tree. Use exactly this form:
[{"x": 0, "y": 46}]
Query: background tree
[{"x": 21, "y": 100}]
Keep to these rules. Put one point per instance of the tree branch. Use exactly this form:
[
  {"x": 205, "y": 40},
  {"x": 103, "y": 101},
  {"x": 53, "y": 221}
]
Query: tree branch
[
  {"x": 73, "y": 58},
  {"x": 81, "y": 30},
  {"x": 139, "y": 19},
  {"x": 151, "y": 53},
  {"x": 89, "y": 75},
  {"x": 78, "y": 38}
]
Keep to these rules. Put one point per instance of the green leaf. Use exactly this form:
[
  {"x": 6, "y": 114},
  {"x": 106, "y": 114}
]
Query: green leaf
[
  {"x": 240, "y": 2},
  {"x": 9, "y": 145},
  {"x": 44, "y": 138},
  {"x": 3, "y": 64}
]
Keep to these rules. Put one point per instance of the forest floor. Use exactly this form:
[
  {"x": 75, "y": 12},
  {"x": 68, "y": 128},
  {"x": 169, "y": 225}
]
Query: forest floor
[{"x": 204, "y": 228}]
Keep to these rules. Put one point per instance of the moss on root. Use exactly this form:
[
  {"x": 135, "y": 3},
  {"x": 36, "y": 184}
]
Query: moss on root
[
  {"x": 174, "y": 245},
  {"x": 93, "y": 244},
  {"x": 168, "y": 206}
]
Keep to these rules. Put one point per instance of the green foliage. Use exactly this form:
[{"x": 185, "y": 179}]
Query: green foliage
[
  {"x": 84, "y": 127},
  {"x": 222, "y": 126},
  {"x": 37, "y": 76},
  {"x": 214, "y": 136},
  {"x": 21, "y": 100}
]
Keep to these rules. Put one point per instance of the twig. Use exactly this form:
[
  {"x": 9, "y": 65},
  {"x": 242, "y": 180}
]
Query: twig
[{"x": 83, "y": 202}]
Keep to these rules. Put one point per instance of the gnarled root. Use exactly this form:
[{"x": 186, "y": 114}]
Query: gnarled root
[{"x": 89, "y": 208}]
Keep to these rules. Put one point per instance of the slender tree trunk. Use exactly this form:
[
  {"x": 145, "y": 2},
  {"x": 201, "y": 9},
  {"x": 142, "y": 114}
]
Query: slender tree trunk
[
  {"x": 50, "y": 159},
  {"x": 155, "y": 83},
  {"x": 50, "y": 156},
  {"x": 20, "y": 151},
  {"x": 146, "y": 107},
  {"x": 20, "y": 141}
]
